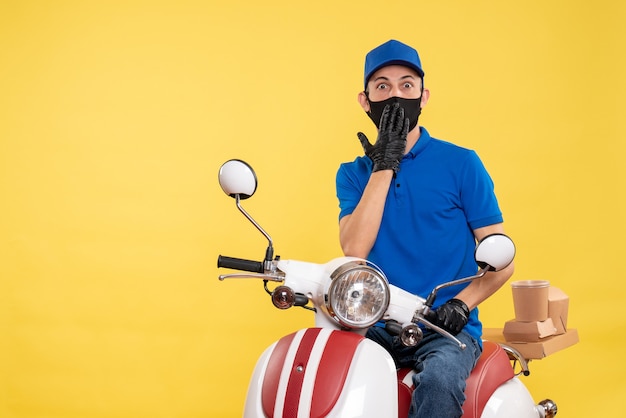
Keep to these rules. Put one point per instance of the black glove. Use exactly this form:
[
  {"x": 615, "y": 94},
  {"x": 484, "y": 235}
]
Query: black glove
[
  {"x": 451, "y": 316},
  {"x": 389, "y": 148}
]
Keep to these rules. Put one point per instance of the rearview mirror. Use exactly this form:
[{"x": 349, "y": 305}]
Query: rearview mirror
[
  {"x": 236, "y": 177},
  {"x": 495, "y": 252}
]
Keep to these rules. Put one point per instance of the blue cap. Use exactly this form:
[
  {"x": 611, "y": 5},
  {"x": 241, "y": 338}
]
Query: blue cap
[{"x": 391, "y": 53}]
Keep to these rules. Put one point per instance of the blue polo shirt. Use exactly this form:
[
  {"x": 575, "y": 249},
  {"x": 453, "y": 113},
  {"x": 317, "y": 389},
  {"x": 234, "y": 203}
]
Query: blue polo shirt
[{"x": 441, "y": 193}]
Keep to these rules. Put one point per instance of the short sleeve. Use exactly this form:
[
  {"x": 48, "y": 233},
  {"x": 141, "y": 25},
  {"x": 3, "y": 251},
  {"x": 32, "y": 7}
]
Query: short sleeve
[
  {"x": 477, "y": 194},
  {"x": 350, "y": 183}
]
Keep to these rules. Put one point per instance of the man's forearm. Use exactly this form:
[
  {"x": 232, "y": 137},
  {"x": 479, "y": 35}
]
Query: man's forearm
[
  {"x": 479, "y": 290},
  {"x": 358, "y": 231}
]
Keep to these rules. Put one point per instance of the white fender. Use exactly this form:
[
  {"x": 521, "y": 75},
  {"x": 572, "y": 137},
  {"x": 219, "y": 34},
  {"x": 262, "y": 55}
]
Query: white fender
[{"x": 512, "y": 400}]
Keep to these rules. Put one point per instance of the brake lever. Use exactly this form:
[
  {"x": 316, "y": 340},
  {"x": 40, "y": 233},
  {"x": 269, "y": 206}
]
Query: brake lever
[
  {"x": 263, "y": 276},
  {"x": 424, "y": 321}
]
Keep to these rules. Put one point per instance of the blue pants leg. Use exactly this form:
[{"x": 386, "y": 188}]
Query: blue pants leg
[{"x": 442, "y": 369}]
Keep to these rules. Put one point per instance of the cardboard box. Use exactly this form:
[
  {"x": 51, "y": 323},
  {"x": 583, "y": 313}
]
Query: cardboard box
[
  {"x": 535, "y": 350},
  {"x": 558, "y": 306},
  {"x": 517, "y": 331}
]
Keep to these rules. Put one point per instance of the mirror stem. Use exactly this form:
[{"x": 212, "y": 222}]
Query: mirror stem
[
  {"x": 431, "y": 298},
  {"x": 269, "y": 253}
]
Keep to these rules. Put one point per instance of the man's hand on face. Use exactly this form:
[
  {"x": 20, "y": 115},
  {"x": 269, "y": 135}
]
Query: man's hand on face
[{"x": 389, "y": 148}]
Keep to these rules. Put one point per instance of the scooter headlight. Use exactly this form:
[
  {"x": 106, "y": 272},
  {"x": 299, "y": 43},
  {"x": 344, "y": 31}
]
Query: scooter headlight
[{"x": 358, "y": 295}]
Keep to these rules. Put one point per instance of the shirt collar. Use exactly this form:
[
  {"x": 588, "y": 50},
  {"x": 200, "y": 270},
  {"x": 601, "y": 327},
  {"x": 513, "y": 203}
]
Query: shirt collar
[{"x": 421, "y": 143}]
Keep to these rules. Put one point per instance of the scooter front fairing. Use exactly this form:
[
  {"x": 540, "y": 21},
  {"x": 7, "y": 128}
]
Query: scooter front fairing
[{"x": 321, "y": 372}]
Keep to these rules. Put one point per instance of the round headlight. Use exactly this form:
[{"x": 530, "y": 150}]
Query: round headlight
[{"x": 358, "y": 295}]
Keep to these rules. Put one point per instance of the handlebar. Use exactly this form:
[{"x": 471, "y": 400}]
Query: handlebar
[
  {"x": 393, "y": 328},
  {"x": 240, "y": 264}
]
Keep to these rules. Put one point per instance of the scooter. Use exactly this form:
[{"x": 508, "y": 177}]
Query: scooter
[{"x": 332, "y": 370}]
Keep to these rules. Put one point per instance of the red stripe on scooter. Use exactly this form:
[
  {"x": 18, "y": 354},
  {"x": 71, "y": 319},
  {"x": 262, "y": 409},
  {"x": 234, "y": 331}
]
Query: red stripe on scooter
[
  {"x": 298, "y": 368},
  {"x": 333, "y": 371},
  {"x": 272, "y": 374}
]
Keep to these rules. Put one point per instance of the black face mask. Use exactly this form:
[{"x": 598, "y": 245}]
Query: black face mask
[{"x": 412, "y": 109}]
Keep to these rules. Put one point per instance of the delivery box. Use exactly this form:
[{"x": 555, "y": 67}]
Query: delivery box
[
  {"x": 528, "y": 331},
  {"x": 558, "y": 305},
  {"x": 538, "y": 349}
]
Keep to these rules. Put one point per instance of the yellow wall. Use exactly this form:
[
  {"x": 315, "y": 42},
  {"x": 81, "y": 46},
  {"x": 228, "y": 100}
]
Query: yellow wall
[{"x": 115, "y": 117}]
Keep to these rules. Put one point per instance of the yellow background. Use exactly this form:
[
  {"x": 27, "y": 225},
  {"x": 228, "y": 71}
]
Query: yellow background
[{"x": 115, "y": 117}]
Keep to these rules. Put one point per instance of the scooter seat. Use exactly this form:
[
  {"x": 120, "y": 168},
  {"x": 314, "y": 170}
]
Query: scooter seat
[{"x": 492, "y": 370}]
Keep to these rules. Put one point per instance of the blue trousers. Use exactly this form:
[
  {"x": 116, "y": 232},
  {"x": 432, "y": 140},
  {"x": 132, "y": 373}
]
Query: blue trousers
[{"x": 442, "y": 369}]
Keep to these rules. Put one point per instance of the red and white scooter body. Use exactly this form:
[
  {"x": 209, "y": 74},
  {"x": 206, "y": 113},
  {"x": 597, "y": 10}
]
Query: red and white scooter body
[
  {"x": 328, "y": 372},
  {"x": 318, "y": 372}
]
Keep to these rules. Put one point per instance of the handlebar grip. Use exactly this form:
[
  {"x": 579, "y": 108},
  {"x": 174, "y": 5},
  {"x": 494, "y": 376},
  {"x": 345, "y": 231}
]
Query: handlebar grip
[
  {"x": 393, "y": 328},
  {"x": 240, "y": 264}
]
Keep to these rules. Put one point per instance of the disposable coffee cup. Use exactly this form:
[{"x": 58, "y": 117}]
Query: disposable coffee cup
[{"x": 530, "y": 300}]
